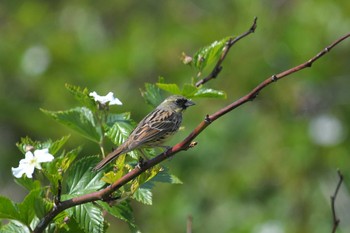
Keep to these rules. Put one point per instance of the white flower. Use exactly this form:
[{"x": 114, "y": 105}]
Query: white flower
[
  {"x": 109, "y": 98},
  {"x": 31, "y": 161}
]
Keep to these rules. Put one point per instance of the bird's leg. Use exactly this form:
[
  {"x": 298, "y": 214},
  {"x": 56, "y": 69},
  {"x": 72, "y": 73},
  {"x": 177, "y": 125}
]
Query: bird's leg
[{"x": 142, "y": 159}]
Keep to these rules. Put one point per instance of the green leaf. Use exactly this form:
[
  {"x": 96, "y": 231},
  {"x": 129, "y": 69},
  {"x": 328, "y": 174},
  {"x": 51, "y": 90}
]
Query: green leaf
[
  {"x": 80, "y": 119},
  {"x": 89, "y": 217},
  {"x": 42, "y": 206},
  {"x": 209, "y": 93},
  {"x": 53, "y": 171},
  {"x": 119, "y": 132},
  {"x": 112, "y": 176},
  {"x": 72, "y": 226},
  {"x": 165, "y": 177},
  {"x": 152, "y": 94},
  {"x": 27, "y": 143},
  {"x": 57, "y": 145},
  {"x": 14, "y": 227},
  {"x": 61, "y": 220},
  {"x": 26, "y": 208},
  {"x": 80, "y": 179},
  {"x": 82, "y": 95},
  {"x": 188, "y": 90},
  {"x": 28, "y": 183},
  {"x": 8, "y": 209},
  {"x": 122, "y": 211},
  {"x": 143, "y": 195},
  {"x": 208, "y": 54},
  {"x": 113, "y": 118},
  {"x": 170, "y": 87}
]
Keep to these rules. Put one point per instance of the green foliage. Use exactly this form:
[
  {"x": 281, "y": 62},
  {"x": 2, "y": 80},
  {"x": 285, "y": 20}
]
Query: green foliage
[
  {"x": 79, "y": 179},
  {"x": 14, "y": 226},
  {"x": 82, "y": 95},
  {"x": 207, "y": 55},
  {"x": 122, "y": 211},
  {"x": 8, "y": 209},
  {"x": 79, "y": 119},
  {"x": 70, "y": 177},
  {"x": 89, "y": 217},
  {"x": 152, "y": 94}
]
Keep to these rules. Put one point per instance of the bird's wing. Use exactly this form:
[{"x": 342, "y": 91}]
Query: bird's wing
[{"x": 155, "y": 126}]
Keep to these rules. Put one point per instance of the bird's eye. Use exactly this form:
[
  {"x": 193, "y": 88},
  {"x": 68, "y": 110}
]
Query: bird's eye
[{"x": 180, "y": 101}]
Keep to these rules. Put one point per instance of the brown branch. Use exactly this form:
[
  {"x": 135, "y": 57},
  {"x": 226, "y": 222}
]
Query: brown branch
[
  {"x": 105, "y": 193},
  {"x": 231, "y": 41},
  {"x": 336, "y": 220}
]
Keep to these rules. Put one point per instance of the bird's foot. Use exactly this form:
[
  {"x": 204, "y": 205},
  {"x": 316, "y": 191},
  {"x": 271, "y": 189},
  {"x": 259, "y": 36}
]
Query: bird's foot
[{"x": 140, "y": 163}]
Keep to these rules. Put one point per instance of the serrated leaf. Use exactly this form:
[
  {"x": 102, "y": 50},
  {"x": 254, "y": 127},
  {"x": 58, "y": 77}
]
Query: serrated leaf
[
  {"x": 8, "y": 209},
  {"x": 210, "y": 93},
  {"x": 113, "y": 118},
  {"x": 152, "y": 94},
  {"x": 143, "y": 195},
  {"x": 119, "y": 132},
  {"x": 208, "y": 54},
  {"x": 64, "y": 161},
  {"x": 80, "y": 119},
  {"x": 14, "y": 226},
  {"x": 61, "y": 220},
  {"x": 170, "y": 87},
  {"x": 122, "y": 211},
  {"x": 26, "y": 208},
  {"x": 82, "y": 95},
  {"x": 89, "y": 217},
  {"x": 80, "y": 178},
  {"x": 42, "y": 206},
  {"x": 165, "y": 177}
]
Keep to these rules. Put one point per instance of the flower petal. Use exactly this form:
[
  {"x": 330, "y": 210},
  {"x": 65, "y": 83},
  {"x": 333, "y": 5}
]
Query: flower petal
[
  {"x": 43, "y": 156},
  {"x": 109, "y": 98},
  {"x": 24, "y": 168},
  {"x": 18, "y": 171}
]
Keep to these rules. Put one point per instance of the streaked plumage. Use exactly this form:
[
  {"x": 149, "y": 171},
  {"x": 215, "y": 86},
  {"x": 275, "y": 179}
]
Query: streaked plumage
[{"x": 154, "y": 129}]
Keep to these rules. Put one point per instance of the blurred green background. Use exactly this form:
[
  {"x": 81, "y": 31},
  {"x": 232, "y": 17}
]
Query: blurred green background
[{"x": 269, "y": 166}]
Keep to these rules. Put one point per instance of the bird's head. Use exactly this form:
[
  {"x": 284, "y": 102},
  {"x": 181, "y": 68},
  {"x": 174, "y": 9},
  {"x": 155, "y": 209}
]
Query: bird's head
[{"x": 176, "y": 103}]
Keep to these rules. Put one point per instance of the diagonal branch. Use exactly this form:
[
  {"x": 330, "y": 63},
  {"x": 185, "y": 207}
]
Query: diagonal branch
[
  {"x": 187, "y": 143},
  {"x": 231, "y": 41}
]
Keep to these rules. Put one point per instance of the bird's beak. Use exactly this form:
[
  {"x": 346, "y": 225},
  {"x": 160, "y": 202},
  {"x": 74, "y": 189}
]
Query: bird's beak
[{"x": 189, "y": 103}]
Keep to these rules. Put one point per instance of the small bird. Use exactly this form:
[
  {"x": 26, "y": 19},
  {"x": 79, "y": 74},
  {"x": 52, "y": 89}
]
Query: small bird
[{"x": 154, "y": 129}]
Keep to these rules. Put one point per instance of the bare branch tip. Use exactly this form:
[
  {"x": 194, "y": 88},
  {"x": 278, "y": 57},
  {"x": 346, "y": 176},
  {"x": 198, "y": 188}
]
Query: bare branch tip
[
  {"x": 254, "y": 26},
  {"x": 341, "y": 177}
]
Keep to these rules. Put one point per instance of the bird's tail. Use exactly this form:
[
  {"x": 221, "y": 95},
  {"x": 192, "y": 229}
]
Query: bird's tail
[{"x": 111, "y": 156}]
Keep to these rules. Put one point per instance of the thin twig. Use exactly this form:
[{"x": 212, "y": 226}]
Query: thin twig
[
  {"x": 231, "y": 41},
  {"x": 336, "y": 220},
  {"x": 104, "y": 194}
]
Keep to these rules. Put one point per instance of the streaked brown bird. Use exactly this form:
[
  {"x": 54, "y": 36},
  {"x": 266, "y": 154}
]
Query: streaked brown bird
[{"x": 154, "y": 129}]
